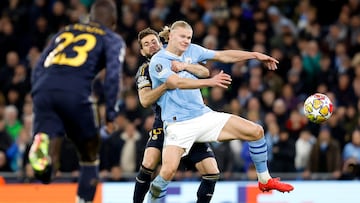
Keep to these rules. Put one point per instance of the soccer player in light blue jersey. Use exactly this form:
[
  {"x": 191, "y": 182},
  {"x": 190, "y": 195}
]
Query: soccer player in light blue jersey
[{"x": 187, "y": 119}]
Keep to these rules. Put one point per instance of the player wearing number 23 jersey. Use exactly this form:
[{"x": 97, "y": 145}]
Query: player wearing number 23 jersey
[
  {"x": 61, "y": 90},
  {"x": 62, "y": 79}
]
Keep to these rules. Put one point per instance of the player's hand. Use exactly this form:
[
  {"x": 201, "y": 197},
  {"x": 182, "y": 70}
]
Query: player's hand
[
  {"x": 269, "y": 61},
  {"x": 221, "y": 79},
  {"x": 177, "y": 66}
]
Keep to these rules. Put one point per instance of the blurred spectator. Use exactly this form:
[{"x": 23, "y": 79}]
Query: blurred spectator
[
  {"x": 294, "y": 124},
  {"x": 7, "y": 71},
  {"x": 351, "y": 157},
  {"x": 58, "y": 17},
  {"x": 290, "y": 98},
  {"x": 217, "y": 100},
  {"x": 40, "y": 33},
  {"x": 325, "y": 156},
  {"x": 245, "y": 155},
  {"x": 280, "y": 111},
  {"x": 303, "y": 146},
  {"x": 224, "y": 158},
  {"x": 4, "y": 164},
  {"x": 344, "y": 92},
  {"x": 279, "y": 22},
  {"x": 352, "y": 149},
  {"x": 272, "y": 137},
  {"x": 296, "y": 75},
  {"x": 267, "y": 100},
  {"x": 13, "y": 124},
  {"x": 283, "y": 154},
  {"x": 327, "y": 74},
  {"x": 253, "y": 108},
  {"x": 311, "y": 61},
  {"x": 16, "y": 152},
  {"x": 132, "y": 108},
  {"x": 125, "y": 152},
  {"x": 8, "y": 39},
  {"x": 5, "y": 139}
]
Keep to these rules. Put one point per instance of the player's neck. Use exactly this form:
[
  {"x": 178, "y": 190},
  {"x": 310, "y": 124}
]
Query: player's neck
[{"x": 174, "y": 51}]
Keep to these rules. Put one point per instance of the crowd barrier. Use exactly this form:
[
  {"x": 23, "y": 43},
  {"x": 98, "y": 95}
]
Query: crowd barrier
[{"x": 185, "y": 192}]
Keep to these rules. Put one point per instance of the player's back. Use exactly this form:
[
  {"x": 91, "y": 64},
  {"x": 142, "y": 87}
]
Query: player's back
[{"x": 74, "y": 56}]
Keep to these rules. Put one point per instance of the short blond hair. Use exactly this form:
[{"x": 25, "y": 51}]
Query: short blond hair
[{"x": 166, "y": 30}]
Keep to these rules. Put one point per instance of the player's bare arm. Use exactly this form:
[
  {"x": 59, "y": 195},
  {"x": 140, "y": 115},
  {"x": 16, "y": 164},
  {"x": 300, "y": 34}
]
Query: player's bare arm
[
  {"x": 221, "y": 79},
  {"x": 232, "y": 56},
  {"x": 148, "y": 96},
  {"x": 198, "y": 70}
]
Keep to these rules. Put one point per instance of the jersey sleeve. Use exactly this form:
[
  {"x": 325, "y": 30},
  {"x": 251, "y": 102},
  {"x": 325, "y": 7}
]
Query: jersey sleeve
[
  {"x": 114, "y": 52},
  {"x": 160, "y": 69},
  {"x": 203, "y": 54},
  {"x": 142, "y": 77}
]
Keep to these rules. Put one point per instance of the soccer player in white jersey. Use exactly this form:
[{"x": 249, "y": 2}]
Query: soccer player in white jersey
[{"x": 187, "y": 119}]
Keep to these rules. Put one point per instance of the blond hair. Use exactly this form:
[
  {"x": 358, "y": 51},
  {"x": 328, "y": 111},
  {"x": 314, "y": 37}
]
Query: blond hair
[{"x": 166, "y": 30}]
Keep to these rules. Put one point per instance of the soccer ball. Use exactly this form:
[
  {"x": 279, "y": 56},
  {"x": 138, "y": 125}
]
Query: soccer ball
[{"x": 318, "y": 108}]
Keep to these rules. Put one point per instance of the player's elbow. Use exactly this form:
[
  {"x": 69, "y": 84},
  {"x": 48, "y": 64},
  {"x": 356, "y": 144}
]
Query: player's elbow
[
  {"x": 173, "y": 82},
  {"x": 145, "y": 103}
]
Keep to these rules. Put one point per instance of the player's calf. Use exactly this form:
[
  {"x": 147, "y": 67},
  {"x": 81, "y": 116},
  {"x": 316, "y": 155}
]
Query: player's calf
[
  {"x": 142, "y": 184},
  {"x": 207, "y": 187}
]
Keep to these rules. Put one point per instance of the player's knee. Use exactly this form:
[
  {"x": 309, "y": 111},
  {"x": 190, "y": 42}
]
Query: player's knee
[
  {"x": 88, "y": 157},
  {"x": 167, "y": 173},
  {"x": 150, "y": 163},
  {"x": 258, "y": 132},
  {"x": 88, "y": 150}
]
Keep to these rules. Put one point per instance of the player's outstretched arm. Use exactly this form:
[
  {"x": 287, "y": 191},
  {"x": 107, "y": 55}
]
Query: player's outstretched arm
[
  {"x": 221, "y": 79},
  {"x": 233, "y": 56},
  {"x": 198, "y": 70},
  {"x": 148, "y": 96}
]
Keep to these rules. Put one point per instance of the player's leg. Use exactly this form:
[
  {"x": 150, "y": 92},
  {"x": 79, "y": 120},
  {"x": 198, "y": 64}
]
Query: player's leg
[
  {"x": 171, "y": 156},
  {"x": 81, "y": 123},
  {"x": 240, "y": 128},
  {"x": 89, "y": 168},
  {"x": 150, "y": 161},
  {"x": 143, "y": 179},
  {"x": 205, "y": 162},
  {"x": 44, "y": 151}
]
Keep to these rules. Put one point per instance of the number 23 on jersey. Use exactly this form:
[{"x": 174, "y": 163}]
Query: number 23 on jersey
[{"x": 68, "y": 41}]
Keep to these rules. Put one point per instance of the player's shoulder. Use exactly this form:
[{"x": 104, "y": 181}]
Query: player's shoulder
[
  {"x": 195, "y": 47},
  {"x": 143, "y": 69}
]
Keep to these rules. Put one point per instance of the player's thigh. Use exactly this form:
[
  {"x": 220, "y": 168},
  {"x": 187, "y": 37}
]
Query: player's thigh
[
  {"x": 171, "y": 156},
  {"x": 207, "y": 166},
  {"x": 46, "y": 118},
  {"x": 239, "y": 128},
  {"x": 81, "y": 123}
]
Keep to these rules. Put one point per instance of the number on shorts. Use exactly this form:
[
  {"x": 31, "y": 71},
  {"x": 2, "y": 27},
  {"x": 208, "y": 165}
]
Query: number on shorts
[{"x": 157, "y": 131}]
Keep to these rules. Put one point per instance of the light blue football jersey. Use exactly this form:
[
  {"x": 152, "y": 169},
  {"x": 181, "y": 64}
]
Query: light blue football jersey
[{"x": 179, "y": 104}]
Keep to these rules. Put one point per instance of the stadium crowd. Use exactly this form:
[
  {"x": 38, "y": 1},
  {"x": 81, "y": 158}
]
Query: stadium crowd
[{"x": 318, "y": 48}]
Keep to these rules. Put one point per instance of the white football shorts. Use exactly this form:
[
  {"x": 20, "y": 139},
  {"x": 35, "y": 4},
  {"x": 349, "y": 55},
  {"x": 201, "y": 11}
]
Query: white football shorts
[{"x": 205, "y": 128}]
